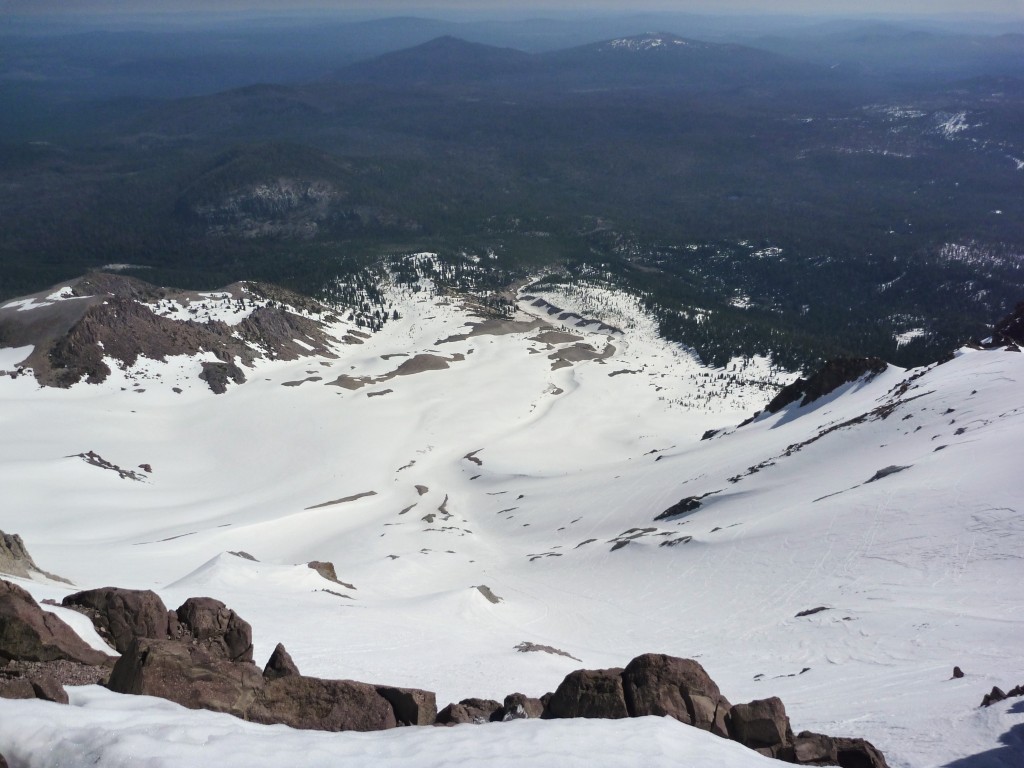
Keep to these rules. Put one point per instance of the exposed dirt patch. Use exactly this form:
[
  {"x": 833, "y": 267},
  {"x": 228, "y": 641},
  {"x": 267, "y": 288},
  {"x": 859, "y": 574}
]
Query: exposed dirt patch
[{"x": 344, "y": 500}]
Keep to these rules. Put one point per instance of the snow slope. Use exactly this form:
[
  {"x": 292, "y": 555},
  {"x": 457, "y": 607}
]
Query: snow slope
[{"x": 513, "y": 457}]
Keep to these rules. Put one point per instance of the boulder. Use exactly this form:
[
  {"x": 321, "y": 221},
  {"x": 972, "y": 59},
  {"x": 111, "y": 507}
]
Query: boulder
[
  {"x": 760, "y": 725},
  {"x": 28, "y": 633},
  {"x": 814, "y": 749},
  {"x": 190, "y": 675},
  {"x": 530, "y": 708},
  {"x": 279, "y": 665},
  {"x": 411, "y": 705},
  {"x": 48, "y": 689},
  {"x": 468, "y": 711},
  {"x": 16, "y": 688},
  {"x": 656, "y": 684},
  {"x": 121, "y": 615},
  {"x": 216, "y": 627},
  {"x": 589, "y": 693},
  {"x": 325, "y": 705},
  {"x": 3, "y": 762},
  {"x": 858, "y": 753}
]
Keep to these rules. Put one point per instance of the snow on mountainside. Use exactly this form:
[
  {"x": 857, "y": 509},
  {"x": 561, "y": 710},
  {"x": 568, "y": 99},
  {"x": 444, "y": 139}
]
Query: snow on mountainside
[{"x": 554, "y": 457}]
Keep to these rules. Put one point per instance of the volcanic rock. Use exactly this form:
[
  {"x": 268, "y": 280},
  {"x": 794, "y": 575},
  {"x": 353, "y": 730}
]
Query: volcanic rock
[
  {"x": 280, "y": 665},
  {"x": 16, "y": 561},
  {"x": 830, "y": 377},
  {"x": 326, "y": 705},
  {"x": 190, "y": 675},
  {"x": 468, "y": 711},
  {"x": 215, "y": 626},
  {"x": 411, "y": 706},
  {"x": 655, "y": 684},
  {"x": 29, "y": 633},
  {"x": 121, "y": 615},
  {"x": 593, "y": 693},
  {"x": 760, "y": 725}
]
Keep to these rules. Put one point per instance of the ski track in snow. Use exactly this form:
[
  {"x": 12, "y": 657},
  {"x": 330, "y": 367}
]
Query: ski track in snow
[{"x": 919, "y": 570}]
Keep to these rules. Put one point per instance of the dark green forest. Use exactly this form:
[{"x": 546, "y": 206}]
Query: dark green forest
[{"x": 759, "y": 203}]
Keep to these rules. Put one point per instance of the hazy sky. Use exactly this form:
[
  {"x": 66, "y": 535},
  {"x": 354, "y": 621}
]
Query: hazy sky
[{"x": 504, "y": 8}]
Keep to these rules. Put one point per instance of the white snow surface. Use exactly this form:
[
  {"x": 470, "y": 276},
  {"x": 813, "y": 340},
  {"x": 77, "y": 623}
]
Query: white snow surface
[{"x": 500, "y": 471}]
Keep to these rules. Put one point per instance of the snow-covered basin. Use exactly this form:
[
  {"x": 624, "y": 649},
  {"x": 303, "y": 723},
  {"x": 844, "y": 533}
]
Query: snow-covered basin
[{"x": 501, "y": 471}]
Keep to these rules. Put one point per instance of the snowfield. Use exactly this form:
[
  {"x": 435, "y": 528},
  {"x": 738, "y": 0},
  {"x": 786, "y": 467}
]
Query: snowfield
[{"x": 535, "y": 462}]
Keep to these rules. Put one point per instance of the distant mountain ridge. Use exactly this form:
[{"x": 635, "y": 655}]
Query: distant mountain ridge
[{"x": 658, "y": 59}]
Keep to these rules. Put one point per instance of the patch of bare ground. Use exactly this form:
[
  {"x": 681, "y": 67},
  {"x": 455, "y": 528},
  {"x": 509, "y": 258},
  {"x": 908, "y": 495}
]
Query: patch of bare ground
[
  {"x": 417, "y": 364},
  {"x": 556, "y": 337},
  {"x": 494, "y": 327},
  {"x": 484, "y": 590},
  {"x": 527, "y": 647},
  {"x": 579, "y": 353},
  {"x": 380, "y": 392},
  {"x": 343, "y": 500}
]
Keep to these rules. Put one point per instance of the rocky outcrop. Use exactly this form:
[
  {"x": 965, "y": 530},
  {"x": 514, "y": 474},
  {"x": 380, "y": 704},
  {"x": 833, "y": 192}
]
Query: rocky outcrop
[
  {"x": 19, "y": 686},
  {"x": 280, "y": 665},
  {"x": 326, "y": 705},
  {"x": 411, "y": 706},
  {"x": 29, "y": 633},
  {"x": 519, "y": 706},
  {"x": 660, "y": 685},
  {"x": 655, "y": 684},
  {"x": 214, "y": 626},
  {"x": 16, "y": 561},
  {"x": 594, "y": 693},
  {"x": 469, "y": 711},
  {"x": 1009, "y": 330},
  {"x": 122, "y": 615},
  {"x": 190, "y": 675},
  {"x": 761, "y": 725},
  {"x": 218, "y": 375},
  {"x": 997, "y": 694},
  {"x": 830, "y": 377}
]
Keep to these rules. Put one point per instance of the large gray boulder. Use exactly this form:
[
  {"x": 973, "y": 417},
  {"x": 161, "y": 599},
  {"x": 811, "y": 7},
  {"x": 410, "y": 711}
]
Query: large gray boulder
[
  {"x": 656, "y": 684},
  {"x": 190, "y": 675},
  {"x": 216, "y": 627},
  {"x": 595, "y": 693},
  {"x": 28, "y": 633},
  {"x": 121, "y": 615},
  {"x": 325, "y": 705}
]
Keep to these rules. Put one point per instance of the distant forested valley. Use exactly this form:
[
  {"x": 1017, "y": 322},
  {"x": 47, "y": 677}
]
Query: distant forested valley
[{"x": 805, "y": 193}]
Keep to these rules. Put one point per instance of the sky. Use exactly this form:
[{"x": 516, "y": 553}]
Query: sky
[{"x": 504, "y": 8}]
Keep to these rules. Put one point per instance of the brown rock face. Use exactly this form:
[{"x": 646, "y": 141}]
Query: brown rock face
[
  {"x": 411, "y": 705},
  {"x": 326, "y": 705},
  {"x": 530, "y": 708},
  {"x": 280, "y": 665},
  {"x": 216, "y": 627},
  {"x": 121, "y": 615},
  {"x": 814, "y": 749},
  {"x": 858, "y": 753},
  {"x": 190, "y": 675},
  {"x": 655, "y": 684},
  {"x": 589, "y": 693},
  {"x": 468, "y": 711},
  {"x": 29, "y": 633},
  {"x": 761, "y": 724}
]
